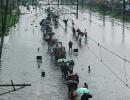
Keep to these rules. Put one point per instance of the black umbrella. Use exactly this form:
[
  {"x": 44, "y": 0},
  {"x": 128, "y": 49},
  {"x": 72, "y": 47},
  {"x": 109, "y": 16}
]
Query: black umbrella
[{"x": 70, "y": 82}]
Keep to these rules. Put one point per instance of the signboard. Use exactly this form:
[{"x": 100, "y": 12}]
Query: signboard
[{"x": 39, "y": 58}]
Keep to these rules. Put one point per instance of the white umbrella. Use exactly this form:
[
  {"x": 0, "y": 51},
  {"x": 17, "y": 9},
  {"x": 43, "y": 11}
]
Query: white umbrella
[{"x": 61, "y": 60}]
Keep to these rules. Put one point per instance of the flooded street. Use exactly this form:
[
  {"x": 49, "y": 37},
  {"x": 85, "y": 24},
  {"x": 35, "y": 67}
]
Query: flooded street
[
  {"x": 107, "y": 79},
  {"x": 19, "y": 64}
]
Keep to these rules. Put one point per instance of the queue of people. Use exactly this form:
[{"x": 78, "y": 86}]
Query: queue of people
[{"x": 71, "y": 78}]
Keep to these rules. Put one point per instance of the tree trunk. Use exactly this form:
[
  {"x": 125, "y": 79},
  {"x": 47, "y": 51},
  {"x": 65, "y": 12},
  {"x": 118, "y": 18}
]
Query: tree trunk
[{"x": 4, "y": 20}]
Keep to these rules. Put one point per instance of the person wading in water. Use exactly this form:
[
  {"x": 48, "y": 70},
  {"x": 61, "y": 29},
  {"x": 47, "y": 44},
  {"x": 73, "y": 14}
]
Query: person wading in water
[{"x": 70, "y": 46}]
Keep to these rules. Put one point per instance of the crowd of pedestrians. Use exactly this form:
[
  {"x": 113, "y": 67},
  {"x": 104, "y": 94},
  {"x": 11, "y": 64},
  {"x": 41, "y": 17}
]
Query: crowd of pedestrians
[{"x": 71, "y": 78}]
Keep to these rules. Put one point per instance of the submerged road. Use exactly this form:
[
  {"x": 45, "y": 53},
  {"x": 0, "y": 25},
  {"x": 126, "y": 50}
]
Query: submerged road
[
  {"x": 21, "y": 48},
  {"x": 109, "y": 78},
  {"x": 19, "y": 63}
]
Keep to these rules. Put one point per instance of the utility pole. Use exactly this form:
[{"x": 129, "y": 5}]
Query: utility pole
[
  {"x": 1, "y": 13},
  {"x": 90, "y": 2},
  {"x": 82, "y": 2},
  {"x": 104, "y": 11},
  {"x": 10, "y": 8},
  {"x": 49, "y": 3},
  {"x": 124, "y": 10},
  {"x": 13, "y": 4},
  {"x": 104, "y": 7},
  {"x": 77, "y": 9},
  {"x": 61, "y": 2},
  {"x": 58, "y": 3}
]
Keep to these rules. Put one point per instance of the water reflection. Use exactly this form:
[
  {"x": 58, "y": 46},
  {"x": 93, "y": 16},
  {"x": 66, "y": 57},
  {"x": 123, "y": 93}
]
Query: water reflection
[
  {"x": 112, "y": 22},
  {"x": 65, "y": 29},
  {"x": 112, "y": 30},
  {"x": 103, "y": 20},
  {"x": 123, "y": 33},
  {"x": 90, "y": 17},
  {"x": 103, "y": 35}
]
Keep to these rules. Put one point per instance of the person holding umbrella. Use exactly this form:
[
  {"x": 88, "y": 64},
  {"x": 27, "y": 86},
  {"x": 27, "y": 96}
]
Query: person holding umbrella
[
  {"x": 71, "y": 87},
  {"x": 86, "y": 96},
  {"x": 76, "y": 78},
  {"x": 71, "y": 83}
]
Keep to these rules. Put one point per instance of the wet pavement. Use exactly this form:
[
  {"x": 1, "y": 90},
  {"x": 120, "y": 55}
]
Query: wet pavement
[
  {"x": 19, "y": 64},
  {"x": 21, "y": 48},
  {"x": 103, "y": 77}
]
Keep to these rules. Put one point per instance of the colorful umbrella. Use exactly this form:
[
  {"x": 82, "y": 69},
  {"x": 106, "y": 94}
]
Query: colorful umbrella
[{"x": 82, "y": 90}]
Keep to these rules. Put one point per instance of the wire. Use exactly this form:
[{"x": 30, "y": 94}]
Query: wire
[
  {"x": 36, "y": 15},
  {"x": 100, "y": 53},
  {"x": 125, "y": 71},
  {"x": 109, "y": 68},
  {"x": 103, "y": 46},
  {"x": 110, "y": 51},
  {"x": 106, "y": 48},
  {"x": 108, "y": 19},
  {"x": 61, "y": 26},
  {"x": 61, "y": 11},
  {"x": 100, "y": 59}
]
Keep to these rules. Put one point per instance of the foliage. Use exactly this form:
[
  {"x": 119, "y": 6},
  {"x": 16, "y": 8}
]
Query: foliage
[
  {"x": 11, "y": 21},
  {"x": 118, "y": 14}
]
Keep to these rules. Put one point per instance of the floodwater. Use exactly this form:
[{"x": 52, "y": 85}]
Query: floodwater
[{"x": 107, "y": 78}]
